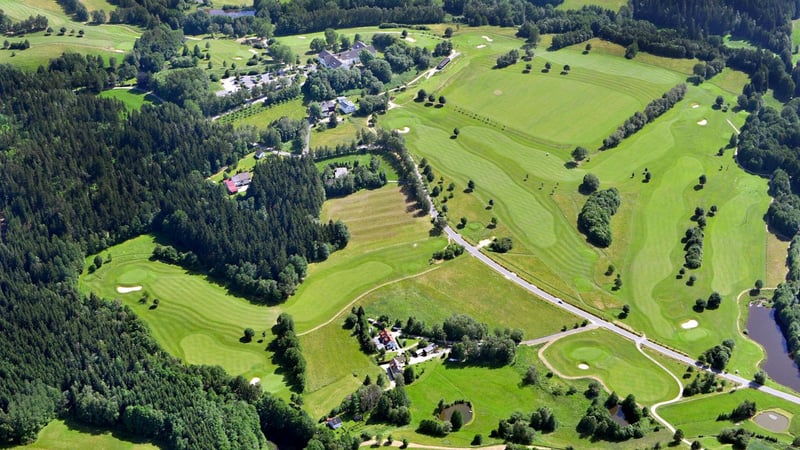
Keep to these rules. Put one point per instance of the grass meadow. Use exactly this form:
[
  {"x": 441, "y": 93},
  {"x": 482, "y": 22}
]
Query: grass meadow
[
  {"x": 133, "y": 98},
  {"x": 517, "y": 131},
  {"x": 107, "y": 40},
  {"x": 363, "y": 159},
  {"x": 497, "y": 392},
  {"x": 467, "y": 286},
  {"x": 58, "y": 435}
]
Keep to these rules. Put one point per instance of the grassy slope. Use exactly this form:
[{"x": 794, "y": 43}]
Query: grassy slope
[
  {"x": 107, "y": 40},
  {"x": 540, "y": 213},
  {"x": 58, "y": 435},
  {"x": 197, "y": 320},
  {"x": 615, "y": 361},
  {"x": 132, "y": 98},
  {"x": 259, "y": 116}
]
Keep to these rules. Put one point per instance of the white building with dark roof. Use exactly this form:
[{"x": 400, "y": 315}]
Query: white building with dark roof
[{"x": 345, "y": 59}]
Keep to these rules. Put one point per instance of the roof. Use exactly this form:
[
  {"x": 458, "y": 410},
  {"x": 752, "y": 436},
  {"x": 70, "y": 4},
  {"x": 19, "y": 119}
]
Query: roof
[
  {"x": 334, "y": 423},
  {"x": 260, "y": 154},
  {"x": 241, "y": 179},
  {"x": 346, "y": 105},
  {"x": 329, "y": 59},
  {"x": 345, "y": 58},
  {"x": 340, "y": 172},
  {"x": 231, "y": 186}
]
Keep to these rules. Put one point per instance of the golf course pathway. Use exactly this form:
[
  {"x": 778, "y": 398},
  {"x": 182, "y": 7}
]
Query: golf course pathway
[
  {"x": 559, "y": 335},
  {"x": 640, "y": 340},
  {"x": 363, "y": 294},
  {"x": 679, "y": 397}
]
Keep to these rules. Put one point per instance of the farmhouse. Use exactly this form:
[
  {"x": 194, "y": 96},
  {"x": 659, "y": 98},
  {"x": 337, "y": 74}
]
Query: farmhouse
[
  {"x": 340, "y": 172},
  {"x": 238, "y": 182},
  {"x": 328, "y": 106},
  {"x": 345, "y": 59},
  {"x": 345, "y": 105},
  {"x": 395, "y": 368},
  {"x": 260, "y": 154},
  {"x": 386, "y": 340},
  {"x": 334, "y": 423}
]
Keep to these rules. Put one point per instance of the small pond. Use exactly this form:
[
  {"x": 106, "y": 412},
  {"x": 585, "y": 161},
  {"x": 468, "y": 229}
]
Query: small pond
[
  {"x": 466, "y": 412},
  {"x": 762, "y": 328},
  {"x": 618, "y": 416},
  {"x": 772, "y": 421}
]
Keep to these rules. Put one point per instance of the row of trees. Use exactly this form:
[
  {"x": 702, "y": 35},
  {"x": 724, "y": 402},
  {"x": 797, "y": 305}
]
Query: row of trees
[
  {"x": 639, "y": 119},
  {"x": 693, "y": 246},
  {"x": 288, "y": 354},
  {"x": 594, "y": 220},
  {"x": 29, "y": 25}
]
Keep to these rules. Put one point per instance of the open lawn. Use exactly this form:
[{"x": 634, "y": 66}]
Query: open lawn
[
  {"x": 615, "y": 361},
  {"x": 391, "y": 174},
  {"x": 698, "y": 415},
  {"x": 196, "y": 320},
  {"x": 260, "y": 116},
  {"x": 613, "y": 5},
  {"x": 523, "y": 169},
  {"x": 58, "y": 435},
  {"x": 343, "y": 134},
  {"x": 468, "y": 287},
  {"x": 132, "y": 98},
  {"x": 107, "y": 39},
  {"x": 495, "y": 393}
]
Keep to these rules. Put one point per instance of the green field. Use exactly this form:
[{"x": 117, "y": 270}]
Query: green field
[
  {"x": 107, "y": 40},
  {"x": 495, "y": 394},
  {"x": 615, "y": 361},
  {"x": 133, "y": 99},
  {"x": 259, "y": 116},
  {"x": 58, "y": 435},
  {"x": 343, "y": 134},
  {"x": 196, "y": 320},
  {"x": 527, "y": 124},
  {"x": 613, "y": 5},
  {"x": 391, "y": 173},
  {"x": 698, "y": 415},
  {"x": 469, "y": 287}
]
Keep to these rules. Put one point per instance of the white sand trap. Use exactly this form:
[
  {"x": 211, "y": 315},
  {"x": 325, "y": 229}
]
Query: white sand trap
[
  {"x": 695, "y": 105},
  {"x": 253, "y": 51},
  {"x": 498, "y": 92},
  {"x": 255, "y": 380},
  {"x": 301, "y": 37},
  {"x": 403, "y": 130},
  {"x": 485, "y": 242},
  {"x": 481, "y": 46},
  {"x": 126, "y": 289},
  {"x": 689, "y": 324},
  {"x": 702, "y": 123},
  {"x": 583, "y": 366},
  {"x": 410, "y": 39},
  {"x": 488, "y": 39},
  {"x": 238, "y": 58}
]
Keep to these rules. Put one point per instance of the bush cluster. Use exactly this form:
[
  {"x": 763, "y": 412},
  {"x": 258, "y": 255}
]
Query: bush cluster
[{"x": 594, "y": 219}]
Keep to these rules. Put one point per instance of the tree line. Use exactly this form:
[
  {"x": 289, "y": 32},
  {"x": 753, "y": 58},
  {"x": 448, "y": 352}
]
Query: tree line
[
  {"x": 29, "y": 25},
  {"x": 594, "y": 220},
  {"x": 651, "y": 112}
]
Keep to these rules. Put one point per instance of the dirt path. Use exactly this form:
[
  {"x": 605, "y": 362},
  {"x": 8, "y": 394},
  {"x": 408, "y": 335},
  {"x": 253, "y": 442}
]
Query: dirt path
[
  {"x": 349, "y": 305},
  {"x": 733, "y": 126},
  {"x": 559, "y": 335}
]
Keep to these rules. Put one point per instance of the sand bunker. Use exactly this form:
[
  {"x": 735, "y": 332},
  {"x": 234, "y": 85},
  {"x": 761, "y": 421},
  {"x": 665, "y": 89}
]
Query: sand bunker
[
  {"x": 583, "y": 366},
  {"x": 255, "y": 380},
  {"x": 689, "y": 324},
  {"x": 403, "y": 130},
  {"x": 772, "y": 421},
  {"x": 238, "y": 58},
  {"x": 498, "y": 92},
  {"x": 695, "y": 105},
  {"x": 485, "y": 242},
  {"x": 301, "y": 37},
  {"x": 481, "y": 46},
  {"x": 488, "y": 39},
  {"x": 126, "y": 289},
  {"x": 410, "y": 39},
  {"x": 702, "y": 123}
]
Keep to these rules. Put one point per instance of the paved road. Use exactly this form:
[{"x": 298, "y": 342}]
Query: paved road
[{"x": 595, "y": 320}]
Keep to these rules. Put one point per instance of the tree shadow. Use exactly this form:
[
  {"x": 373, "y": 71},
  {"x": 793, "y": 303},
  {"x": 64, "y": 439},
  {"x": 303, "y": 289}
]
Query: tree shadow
[
  {"x": 570, "y": 164},
  {"x": 698, "y": 187}
]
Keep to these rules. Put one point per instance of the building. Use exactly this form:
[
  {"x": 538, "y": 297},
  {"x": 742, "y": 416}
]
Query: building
[
  {"x": 386, "y": 340},
  {"x": 395, "y": 368},
  {"x": 345, "y": 105},
  {"x": 238, "y": 182},
  {"x": 260, "y": 154},
  {"x": 443, "y": 63},
  {"x": 345, "y": 59},
  {"x": 334, "y": 423},
  {"x": 328, "y": 107},
  {"x": 340, "y": 172}
]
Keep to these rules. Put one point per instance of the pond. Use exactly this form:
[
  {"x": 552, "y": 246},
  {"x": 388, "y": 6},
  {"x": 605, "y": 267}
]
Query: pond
[
  {"x": 618, "y": 416},
  {"x": 772, "y": 421},
  {"x": 762, "y": 328},
  {"x": 465, "y": 408}
]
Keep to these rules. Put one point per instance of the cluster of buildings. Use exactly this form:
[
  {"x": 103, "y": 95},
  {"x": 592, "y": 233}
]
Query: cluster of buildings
[
  {"x": 345, "y": 59},
  {"x": 238, "y": 183}
]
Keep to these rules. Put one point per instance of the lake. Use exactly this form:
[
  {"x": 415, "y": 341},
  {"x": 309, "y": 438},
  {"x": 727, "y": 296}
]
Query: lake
[{"x": 763, "y": 328}]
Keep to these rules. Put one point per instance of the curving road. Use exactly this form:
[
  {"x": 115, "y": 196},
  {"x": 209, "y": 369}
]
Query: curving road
[{"x": 640, "y": 341}]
